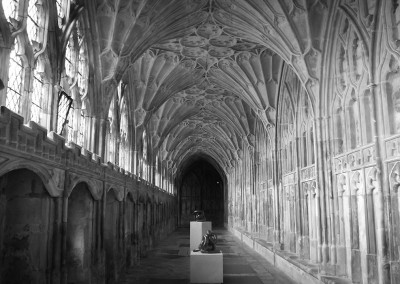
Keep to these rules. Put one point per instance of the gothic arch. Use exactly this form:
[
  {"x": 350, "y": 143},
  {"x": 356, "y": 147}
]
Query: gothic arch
[{"x": 52, "y": 178}]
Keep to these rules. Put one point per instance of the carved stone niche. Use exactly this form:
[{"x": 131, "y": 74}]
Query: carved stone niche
[
  {"x": 342, "y": 185},
  {"x": 356, "y": 183},
  {"x": 394, "y": 177},
  {"x": 373, "y": 181},
  {"x": 95, "y": 186}
]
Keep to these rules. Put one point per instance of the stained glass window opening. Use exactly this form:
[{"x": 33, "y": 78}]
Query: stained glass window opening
[
  {"x": 14, "y": 87},
  {"x": 64, "y": 109},
  {"x": 32, "y": 25},
  {"x": 60, "y": 13},
  {"x": 82, "y": 126},
  {"x": 36, "y": 108},
  {"x": 69, "y": 53},
  {"x": 69, "y": 125},
  {"x": 82, "y": 70},
  {"x": 10, "y": 8}
]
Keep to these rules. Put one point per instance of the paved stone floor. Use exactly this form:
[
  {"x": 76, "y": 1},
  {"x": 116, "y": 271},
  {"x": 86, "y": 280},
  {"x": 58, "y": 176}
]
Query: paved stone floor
[{"x": 169, "y": 263}]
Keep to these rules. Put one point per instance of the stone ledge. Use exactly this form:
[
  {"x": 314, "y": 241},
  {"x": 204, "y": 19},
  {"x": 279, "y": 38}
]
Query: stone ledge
[{"x": 279, "y": 260}]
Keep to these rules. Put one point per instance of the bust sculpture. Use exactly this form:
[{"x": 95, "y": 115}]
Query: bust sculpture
[
  {"x": 208, "y": 241},
  {"x": 199, "y": 215}
]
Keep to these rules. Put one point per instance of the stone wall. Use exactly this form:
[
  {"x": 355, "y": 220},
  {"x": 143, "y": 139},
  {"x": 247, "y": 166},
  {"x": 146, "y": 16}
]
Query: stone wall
[
  {"x": 325, "y": 190},
  {"x": 67, "y": 217}
]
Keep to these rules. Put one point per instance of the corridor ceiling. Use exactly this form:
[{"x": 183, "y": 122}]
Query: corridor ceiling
[{"x": 202, "y": 73}]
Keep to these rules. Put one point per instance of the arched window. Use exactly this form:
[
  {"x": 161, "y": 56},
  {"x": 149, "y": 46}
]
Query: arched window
[
  {"x": 305, "y": 120},
  {"x": 14, "y": 87},
  {"x": 123, "y": 132},
  {"x": 70, "y": 58},
  {"x": 82, "y": 126},
  {"x": 111, "y": 129},
  {"x": 75, "y": 82},
  {"x": 62, "y": 6},
  {"x": 10, "y": 8},
  {"x": 32, "y": 24},
  {"x": 37, "y": 94},
  {"x": 353, "y": 122},
  {"x": 144, "y": 153},
  {"x": 392, "y": 88},
  {"x": 287, "y": 135}
]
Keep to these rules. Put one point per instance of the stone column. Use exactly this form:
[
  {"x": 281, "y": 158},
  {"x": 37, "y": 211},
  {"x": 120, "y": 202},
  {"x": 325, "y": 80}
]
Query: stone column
[{"x": 102, "y": 138}]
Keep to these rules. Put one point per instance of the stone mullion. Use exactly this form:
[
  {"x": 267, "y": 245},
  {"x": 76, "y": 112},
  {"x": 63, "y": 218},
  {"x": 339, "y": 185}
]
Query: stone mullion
[
  {"x": 47, "y": 100},
  {"x": 313, "y": 217},
  {"x": 341, "y": 183},
  {"x": 364, "y": 224},
  {"x": 331, "y": 196},
  {"x": 57, "y": 241},
  {"x": 378, "y": 133},
  {"x": 102, "y": 138},
  {"x": 297, "y": 199},
  {"x": 277, "y": 224},
  {"x": 320, "y": 195}
]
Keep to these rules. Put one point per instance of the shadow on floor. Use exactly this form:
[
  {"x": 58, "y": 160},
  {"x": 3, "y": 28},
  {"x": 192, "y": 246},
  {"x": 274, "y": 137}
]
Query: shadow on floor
[{"x": 169, "y": 262}]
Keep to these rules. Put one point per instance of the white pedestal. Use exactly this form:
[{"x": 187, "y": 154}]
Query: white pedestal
[
  {"x": 197, "y": 231},
  {"x": 206, "y": 267}
]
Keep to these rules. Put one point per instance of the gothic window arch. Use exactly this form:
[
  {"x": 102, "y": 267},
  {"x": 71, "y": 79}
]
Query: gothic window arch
[
  {"x": 305, "y": 126},
  {"x": 286, "y": 134},
  {"x": 392, "y": 91},
  {"x": 35, "y": 23},
  {"x": 351, "y": 113},
  {"x": 14, "y": 93},
  {"x": 123, "y": 132},
  {"x": 37, "y": 95},
  {"x": 75, "y": 77},
  {"x": 26, "y": 87},
  {"x": 111, "y": 130},
  {"x": 145, "y": 169},
  {"x": 10, "y": 8},
  {"x": 62, "y": 7},
  {"x": 352, "y": 121}
]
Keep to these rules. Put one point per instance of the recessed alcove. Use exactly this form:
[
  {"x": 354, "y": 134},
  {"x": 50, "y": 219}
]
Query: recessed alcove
[
  {"x": 26, "y": 209},
  {"x": 201, "y": 187},
  {"x": 80, "y": 234}
]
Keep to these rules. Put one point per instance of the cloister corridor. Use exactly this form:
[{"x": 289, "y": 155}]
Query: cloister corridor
[{"x": 279, "y": 118}]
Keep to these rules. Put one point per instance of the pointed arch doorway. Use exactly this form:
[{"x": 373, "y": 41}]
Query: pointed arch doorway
[{"x": 201, "y": 187}]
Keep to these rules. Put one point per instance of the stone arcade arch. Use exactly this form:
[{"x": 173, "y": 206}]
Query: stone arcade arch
[
  {"x": 81, "y": 228},
  {"x": 297, "y": 103},
  {"x": 26, "y": 228},
  {"x": 201, "y": 187},
  {"x": 112, "y": 236}
]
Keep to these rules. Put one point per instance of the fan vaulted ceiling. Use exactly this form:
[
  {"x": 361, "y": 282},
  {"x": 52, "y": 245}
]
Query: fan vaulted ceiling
[{"x": 202, "y": 73}]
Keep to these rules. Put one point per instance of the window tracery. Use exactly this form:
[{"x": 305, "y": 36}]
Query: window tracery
[
  {"x": 63, "y": 109},
  {"x": 111, "y": 131},
  {"x": 392, "y": 88},
  {"x": 75, "y": 82},
  {"x": 10, "y": 8},
  {"x": 305, "y": 126},
  {"x": 82, "y": 126},
  {"x": 36, "y": 107},
  {"x": 145, "y": 169},
  {"x": 352, "y": 126},
  {"x": 61, "y": 6},
  {"x": 69, "y": 58},
  {"x": 123, "y": 128},
  {"x": 14, "y": 88},
  {"x": 32, "y": 24},
  {"x": 287, "y": 135}
]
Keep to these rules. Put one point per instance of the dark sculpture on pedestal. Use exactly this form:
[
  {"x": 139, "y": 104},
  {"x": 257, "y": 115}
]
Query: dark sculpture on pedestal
[
  {"x": 199, "y": 215},
  {"x": 207, "y": 244}
]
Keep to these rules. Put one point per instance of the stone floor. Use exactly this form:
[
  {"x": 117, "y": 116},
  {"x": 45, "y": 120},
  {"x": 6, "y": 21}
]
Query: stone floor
[{"x": 169, "y": 263}]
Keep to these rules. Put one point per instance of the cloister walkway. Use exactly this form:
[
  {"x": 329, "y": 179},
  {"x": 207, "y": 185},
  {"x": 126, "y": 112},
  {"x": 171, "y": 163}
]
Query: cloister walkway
[{"x": 169, "y": 263}]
